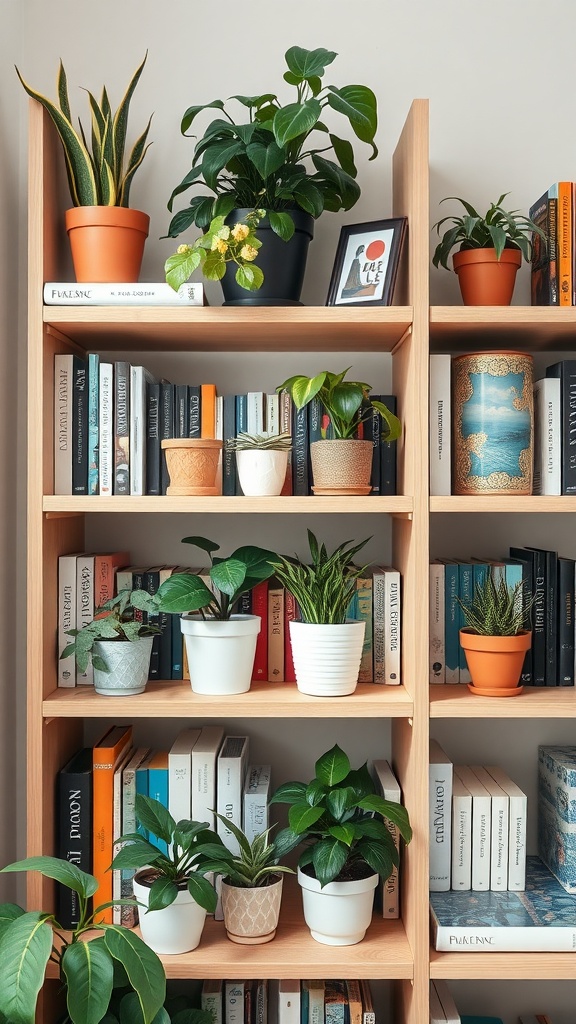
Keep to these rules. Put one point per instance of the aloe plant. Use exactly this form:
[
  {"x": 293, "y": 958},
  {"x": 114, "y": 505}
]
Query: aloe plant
[{"x": 99, "y": 176}]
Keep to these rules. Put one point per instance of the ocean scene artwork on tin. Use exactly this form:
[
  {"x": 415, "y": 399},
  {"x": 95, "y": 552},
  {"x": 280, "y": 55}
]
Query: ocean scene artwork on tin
[{"x": 496, "y": 424}]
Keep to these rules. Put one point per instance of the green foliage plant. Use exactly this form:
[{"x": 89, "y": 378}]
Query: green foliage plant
[
  {"x": 118, "y": 624},
  {"x": 192, "y": 849},
  {"x": 496, "y": 609},
  {"x": 213, "y": 251},
  {"x": 178, "y": 1009},
  {"x": 498, "y": 229},
  {"x": 341, "y": 820},
  {"x": 261, "y": 442},
  {"x": 273, "y": 155},
  {"x": 347, "y": 403},
  {"x": 324, "y": 587},
  {"x": 89, "y": 970},
  {"x": 98, "y": 174},
  {"x": 230, "y": 577},
  {"x": 256, "y": 866}
]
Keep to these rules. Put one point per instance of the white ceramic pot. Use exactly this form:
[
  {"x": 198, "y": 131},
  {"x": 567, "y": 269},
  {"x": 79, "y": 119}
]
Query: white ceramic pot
[
  {"x": 129, "y": 665},
  {"x": 251, "y": 915},
  {"x": 338, "y": 914},
  {"x": 220, "y": 653},
  {"x": 261, "y": 471},
  {"x": 327, "y": 657},
  {"x": 175, "y": 929}
]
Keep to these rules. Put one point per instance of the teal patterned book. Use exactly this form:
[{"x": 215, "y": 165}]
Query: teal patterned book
[{"x": 541, "y": 919}]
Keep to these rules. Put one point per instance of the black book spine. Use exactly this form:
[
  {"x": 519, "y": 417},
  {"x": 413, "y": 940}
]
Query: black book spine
[
  {"x": 566, "y": 371},
  {"x": 79, "y": 426},
  {"x": 121, "y": 427},
  {"x": 164, "y": 646},
  {"x": 181, "y": 410},
  {"x": 194, "y": 410},
  {"x": 74, "y": 816},
  {"x": 527, "y": 677},
  {"x": 538, "y": 614},
  {"x": 314, "y": 408},
  {"x": 566, "y": 621},
  {"x": 166, "y": 428},
  {"x": 300, "y": 477},
  {"x": 374, "y": 432},
  {"x": 176, "y": 647},
  {"x": 388, "y": 449},
  {"x": 229, "y": 474},
  {"x": 151, "y": 583},
  {"x": 153, "y": 439},
  {"x": 551, "y": 570},
  {"x": 241, "y": 426}
]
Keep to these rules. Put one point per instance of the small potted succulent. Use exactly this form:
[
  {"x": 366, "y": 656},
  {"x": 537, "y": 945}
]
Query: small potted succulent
[
  {"x": 326, "y": 643},
  {"x": 89, "y": 972},
  {"x": 172, "y": 885},
  {"x": 251, "y": 888},
  {"x": 120, "y": 647},
  {"x": 261, "y": 461},
  {"x": 342, "y": 464},
  {"x": 220, "y": 643},
  {"x": 106, "y": 236},
  {"x": 490, "y": 250},
  {"x": 348, "y": 846},
  {"x": 495, "y": 639}
]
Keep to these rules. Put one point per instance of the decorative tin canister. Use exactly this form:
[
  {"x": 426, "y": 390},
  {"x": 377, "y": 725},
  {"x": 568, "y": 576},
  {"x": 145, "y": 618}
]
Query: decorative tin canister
[{"x": 493, "y": 423}]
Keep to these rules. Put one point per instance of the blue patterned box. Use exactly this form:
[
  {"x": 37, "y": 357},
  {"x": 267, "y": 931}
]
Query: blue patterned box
[
  {"x": 557, "y": 780},
  {"x": 557, "y": 845}
]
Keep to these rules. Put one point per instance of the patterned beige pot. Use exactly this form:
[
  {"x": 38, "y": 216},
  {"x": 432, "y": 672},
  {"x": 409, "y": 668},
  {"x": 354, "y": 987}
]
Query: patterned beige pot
[
  {"x": 341, "y": 467},
  {"x": 251, "y": 915},
  {"x": 192, "y": 464}
]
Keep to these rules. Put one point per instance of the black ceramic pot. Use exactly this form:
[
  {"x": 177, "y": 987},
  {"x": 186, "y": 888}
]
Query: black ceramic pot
[{"x": 283, "y": 264}]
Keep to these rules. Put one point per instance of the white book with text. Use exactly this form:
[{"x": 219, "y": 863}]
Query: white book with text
[
  {"x": 481, "y": 825},
  {"x": 440, "y": 797},
  {"x": 440, "y": 424},
  {"x": 389, "y": 788},
  {"x": 180, "y": 774},
  {"x": 288, "y": 1001},
  {"x": 500, "y": 806},
  {"x": 66, "y": 617},
  {"x": 119, "y": 293},
  {"x": 461, "y": 835},
  {"x": 211, "y": 999},
  {"x": 204, "y": 756},
  {"x": 517, "y": 822},
  {"x": 547, "y": 436},
  {"x": 106, "y": 430},
  {"x": 84, "y": 607},
  {"x": 140, "y": 377},
  {"x": 256, "y": 796},
  {"x": 232, "y": 765}
]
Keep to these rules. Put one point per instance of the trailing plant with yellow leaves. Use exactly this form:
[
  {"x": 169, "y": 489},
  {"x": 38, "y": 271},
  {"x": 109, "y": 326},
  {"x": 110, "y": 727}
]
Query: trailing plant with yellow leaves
[{"x": 212, "y": 251}]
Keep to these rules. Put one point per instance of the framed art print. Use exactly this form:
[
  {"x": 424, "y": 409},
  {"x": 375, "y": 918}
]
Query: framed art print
[{"x": 366, "y": 264}]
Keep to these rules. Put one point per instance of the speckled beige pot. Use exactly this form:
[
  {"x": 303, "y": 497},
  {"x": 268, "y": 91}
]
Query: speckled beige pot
[
  {"x": 192, "y": 465},
  {"x": 251, "y": 915},
  {"x": 341, "y": 466}
]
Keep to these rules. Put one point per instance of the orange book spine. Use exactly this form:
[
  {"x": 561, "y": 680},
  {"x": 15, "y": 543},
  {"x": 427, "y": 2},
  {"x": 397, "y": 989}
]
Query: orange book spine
[
  {"x": 105, "y": 566},
  {"x": 276, "y": 633},
  {"x": 105, "y": 758},
  {"x": 564, "y": 248},
  {"x": 208, "y": 410}
]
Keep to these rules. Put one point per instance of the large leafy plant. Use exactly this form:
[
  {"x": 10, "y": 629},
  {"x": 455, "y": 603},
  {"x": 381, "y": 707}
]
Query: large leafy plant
[
  {"x": 347, "y": 403},
  {"x": 98, "y": 174},
  {"x": 497, "y": 229},
  {"x": 265, "y": 156},
  {"x": 89, "y": 971},
  {"x": 213, "y": 251},
  {"x": 341, "y": 820},
  {"x": 117, "y": 624},
  {"x": 323, "y": 587}
]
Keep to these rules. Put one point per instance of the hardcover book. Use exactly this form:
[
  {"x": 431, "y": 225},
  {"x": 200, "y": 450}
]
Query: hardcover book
[
  {"x": 106, "y": 430},
  {"x": 440, "y": 807},
  {"x": 538, "y": 616},
  {"x": 74, "y": 805},
  {"x": 93, "y": 432},
  {"x": 180, "y": 774},
  {"x": 481, "y": 824},
  {"x": 153, "y": 438},
  {"x": 70, "y": 293},
  {"x": 85, "y": 607},
  {"x": 66, "y": 617},
  {"x": 158, "y": 789},
  {"x": 565, "y": 370},
  {"x": 313, "y": 992},
  {"x": 232, "y": 765},
  {"x": 500, "y": 812},
  {"x": 275, "y": 670},
  {"x": 440, "y": 424},
  {"x": 449, "y": 1009},
  {"x": 140, "y": 382},
  {"x": 557, "y": 812},
  {"x": 518, "y": 811},
  {"x": 437, "y": 607},
  {"x": 63, "y": 439},
  {"x": 121, "y": 427},
  {"x": 388, "y": 455},
  {"x": 461, "y": 835},
  {"x": 389, "y": 788},
  {"x": 547, "y": 437},
  {"x": 256, "y": 796},
  {"x": 107, "y": 754},
  {"x": 211, "y": 999},
  {"x": 79, "y": 426},
  {"x": 166, "y": 427},
  {"x": 288, "y": 1001},
  {"x": 204, "y": 758}
]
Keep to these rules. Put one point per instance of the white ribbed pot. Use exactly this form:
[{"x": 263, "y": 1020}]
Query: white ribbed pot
[
  {"x": 175, "y": 929},
  {"x": 327, "y": 657},
  {"x": 261, "y": 471},
  {"x": 338, "y": 914},
  {"x": 129, "y": 665},
  {"x": 220, "y": 653},
  {"x": 251, "y": 915}
]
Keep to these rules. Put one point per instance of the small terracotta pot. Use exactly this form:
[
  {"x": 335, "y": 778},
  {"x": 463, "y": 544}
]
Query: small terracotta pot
[
  {"x": 484, "y": 280},
  {"x": 107, "y": 242},
  {"x": 495, "y": 662},
  {"x": 251, "y": 915},
  {"x": 192, "y": 464},
  {"x": 341, "y": 466}
]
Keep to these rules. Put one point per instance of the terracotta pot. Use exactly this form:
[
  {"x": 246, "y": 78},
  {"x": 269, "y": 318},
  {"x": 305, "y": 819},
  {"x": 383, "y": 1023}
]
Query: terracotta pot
[
  {"x": 107, "y": 242},
  {"x": 495, "y": 662},
  {"x": 484, "y": 280},
  {"x": 192, "y": 464},
  {"x": 341, "y": 467},
  {"x": 251, "y": 915}
]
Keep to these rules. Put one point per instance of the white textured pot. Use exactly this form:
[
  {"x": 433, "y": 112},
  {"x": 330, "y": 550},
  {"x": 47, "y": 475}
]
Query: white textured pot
[
  {"x": 327, "y": 657},
  {"x": 220, "y": 653},
  {"x": 175, "y": 929},
  {"x": 251, "y": 915},
  {"x": 261, "y": 471},
  {"x": 129, "y": 665},
  {"x": 338, "y": 914}
]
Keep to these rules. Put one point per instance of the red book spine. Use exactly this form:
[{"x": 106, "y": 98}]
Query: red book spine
[
  {"x": 260, "y": 607},
  {"x": 290, "y": 613}
]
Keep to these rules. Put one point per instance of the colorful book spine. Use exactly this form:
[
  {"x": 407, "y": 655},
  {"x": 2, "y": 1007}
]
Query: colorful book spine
[
  {"x": 437, "y": 661},
  {"x": 106, "y": 430},
  {"x": 564, "y": 236},
  {"x": 158, "y": 789},
  {"x": 440, "y": 426},
  {"x": 63, "y": 437},
  {"x": 208, "y": 410},
  {"x": 121, "y": 427},
  {"x": 166, "y": 424},
  {"x": 129, "y": 916},
  {"x": 79, "y": 426},
  {"x": 364, "y": 614},
  {"x": 290, "y": 614},
  {"x": 540, "y": 264},
  {"x": 451, "y": 618},
  {"x": 153, "y": 438},
  {"x": 260, "y": 607},
  {"x": 465, "y": 594},
  {"x": 93, "y": 430},
  {"x": 275, "y": 670},
  {"x": 106, "y": 756}
]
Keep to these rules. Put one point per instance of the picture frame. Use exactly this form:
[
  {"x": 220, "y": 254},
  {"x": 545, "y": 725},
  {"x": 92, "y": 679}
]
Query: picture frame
[{"x": 366, "y": 264}]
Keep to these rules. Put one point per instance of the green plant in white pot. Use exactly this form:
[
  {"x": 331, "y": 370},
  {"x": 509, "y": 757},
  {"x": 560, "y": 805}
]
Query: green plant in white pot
[{"x": 261, "y": 461}]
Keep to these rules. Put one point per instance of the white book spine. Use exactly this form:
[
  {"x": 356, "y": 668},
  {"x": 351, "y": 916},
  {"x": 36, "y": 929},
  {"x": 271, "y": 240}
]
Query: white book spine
[
  {"x": 506, "y": 939},
  {"x": 437, "y": 1015},
  {"x": 390, "y": 789},
  {"x": 437, "y": 605},
  {"x": 232, "y": 765},
  {"x": 204, "y": 758},
  {"x": 500, "y": 807},
  {"x": 481, "y": 825},
  {"x": 70, "y": 293},
  {"x": 547, "y": 436},
  {"x": 440, "y": 797},
  {"x": 461, "y": 836},
  {"x": 255, "y": 412},
  {"x": 180, "y": 774},
  {"x": 66, "y": 617},
  {"x": 378, "y": 626},
  {"x": 256, "y": 796},
  {"x": 288, "y": 1001},
  {"x": 234, "y": 1002},
  {"x": 272, "y": 414},
  {"x": 139, "y": 378},
  {"x": 449, "y": 1008},
  {"x": 517, "y": 824},
  {"x": 106, "y": 430},
  {"x": 63, "y": 424},
  {"x": 440, "y": 424},
  {"x": 211, "y": 1001},
  {"x": 392, "y": 628},
  {"x": 84, "y": 607}
]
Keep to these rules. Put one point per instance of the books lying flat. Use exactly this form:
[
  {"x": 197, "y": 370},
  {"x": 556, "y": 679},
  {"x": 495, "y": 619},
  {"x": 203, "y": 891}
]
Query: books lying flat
[
  {"x": 118, "y": 293},
  {"x": 541, "y": 919}
]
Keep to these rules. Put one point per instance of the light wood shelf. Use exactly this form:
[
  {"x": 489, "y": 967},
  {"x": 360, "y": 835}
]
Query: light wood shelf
[
  {"x": 530, "y": 328},
  {"x": 53, "y": 504},
  {"x": 503, "y": 503},
  {"x": 521, "y": 966},
  {"x": 456, "y": 701}
]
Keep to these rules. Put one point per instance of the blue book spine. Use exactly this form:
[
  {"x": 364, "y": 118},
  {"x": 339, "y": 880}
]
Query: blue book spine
[
  {"x": 142, "y": 789},
  {"x": 304, "y": 1004},
  {"x": 93, "y": 395},
  {"x": 158, "y": 790},
  {"x": 241, "y": 424},
  {"x": 79, "y": 426},
  {"x": 229, "y": 474},
  {"x": 465, "y": 591},
  {"x": 177, "y": 647},
  {"x": 451, "y": 585}
]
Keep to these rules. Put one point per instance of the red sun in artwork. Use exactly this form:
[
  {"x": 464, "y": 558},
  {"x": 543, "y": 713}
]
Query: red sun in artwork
[{"x": 375, "y": 249}]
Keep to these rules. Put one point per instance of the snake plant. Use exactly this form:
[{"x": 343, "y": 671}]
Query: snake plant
[{"x": 97, "y": 172}]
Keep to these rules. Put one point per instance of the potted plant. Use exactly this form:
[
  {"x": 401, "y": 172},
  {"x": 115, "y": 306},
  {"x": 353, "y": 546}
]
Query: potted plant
[
  {"x": 220, "y": 643},
  {"x": 342, "y": 821},
  {"x": 261, "y": 461},
  {"x": 495, "y": 639},
  {"x": 178, "y": 1009},
  {"x": 172, "y": 885},
  {"x": 267, "y": 159},
  {"x": 326, "y": 644},
  {"x": 251, "y": 888},
  {"x": 89, "y": 971},
  {"x": 106, "y": 236},
  {"x": 490, "y": 250},
  {"x": 120, "y": 647},
  {"x": 342, "y": 464}
]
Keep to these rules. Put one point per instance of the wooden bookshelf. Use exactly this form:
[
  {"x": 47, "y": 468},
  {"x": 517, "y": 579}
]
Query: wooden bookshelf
[
  {"x": 529, "y": 328},
  {"x": 456, "y": 701},
  {"x": 57, "y": 504}
]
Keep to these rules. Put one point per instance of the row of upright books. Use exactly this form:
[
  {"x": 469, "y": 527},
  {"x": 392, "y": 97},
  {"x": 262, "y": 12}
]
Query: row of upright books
[
  {"x": 289, "y": 1001},
  {"x": 553, "y": 273},
  {"x": 544, "y": 575},
  {"x": 111, "y": 417}
]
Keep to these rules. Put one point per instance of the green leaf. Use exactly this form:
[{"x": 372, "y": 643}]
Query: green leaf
[
  {"x": 333, "y": 767},
  {"x": 163, "y": 892},
  {"x": 346, "y": 402},
  {"x": 201, "y": 542},
  {"x": 228, "y": 576},
  {"x": 309, "y": 197},
  {"x": 315, "y": 792},
  {"x": 255, "y": 101},
  {"x": 294, "y": 120},
  {"x": 304, "y": 389},
  {"x": 135, "y": 854},
  {"x": 393, "y": 425},
  {"x": 305, "y": 63},
  {"x": 24, "y": 950},
  {"x": 328, "y": 858},
  {"x": 203, "y": 892},
  {"x": 285, "y": 841},
  {"x": 155, "y": 817},
  {"x": 120, "y": 122},
  {"x": 61, "y": 870},
  {"x": 250, "y": 277},
  {"x": 8, "y": 913},
  {"x": 183, "y": 592},
  {"x": 180, "y": 267},
  {"x": 223, "y": 206},
  {"x": 289, "y": 793},
  {"x": 89, "y": 972},
  {"x": 257, "y": 561},
  {"x": 344, "y": 154},
  {"x": 237, "y": 833},
  {"x": 302, "y": 817},
  {"x": 192, "y": 112},
  {"x": 266, "y": 159},
  {"x": 282, "y": 224},
  {"x": 346, "y": 187},
  {"x": 131, "y": 1011},
  {"x": 344, "y": 833},
  {"x": 144, "y": 969},
  {"x": 338, "y": 802},
  {"x": 378, "y": 856},
  {"x": 358, "y": 104},
  {"x": 187, "y": 181},
  {"x": 393, "y": 812},
  {"x": 216, "y": 158}
]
